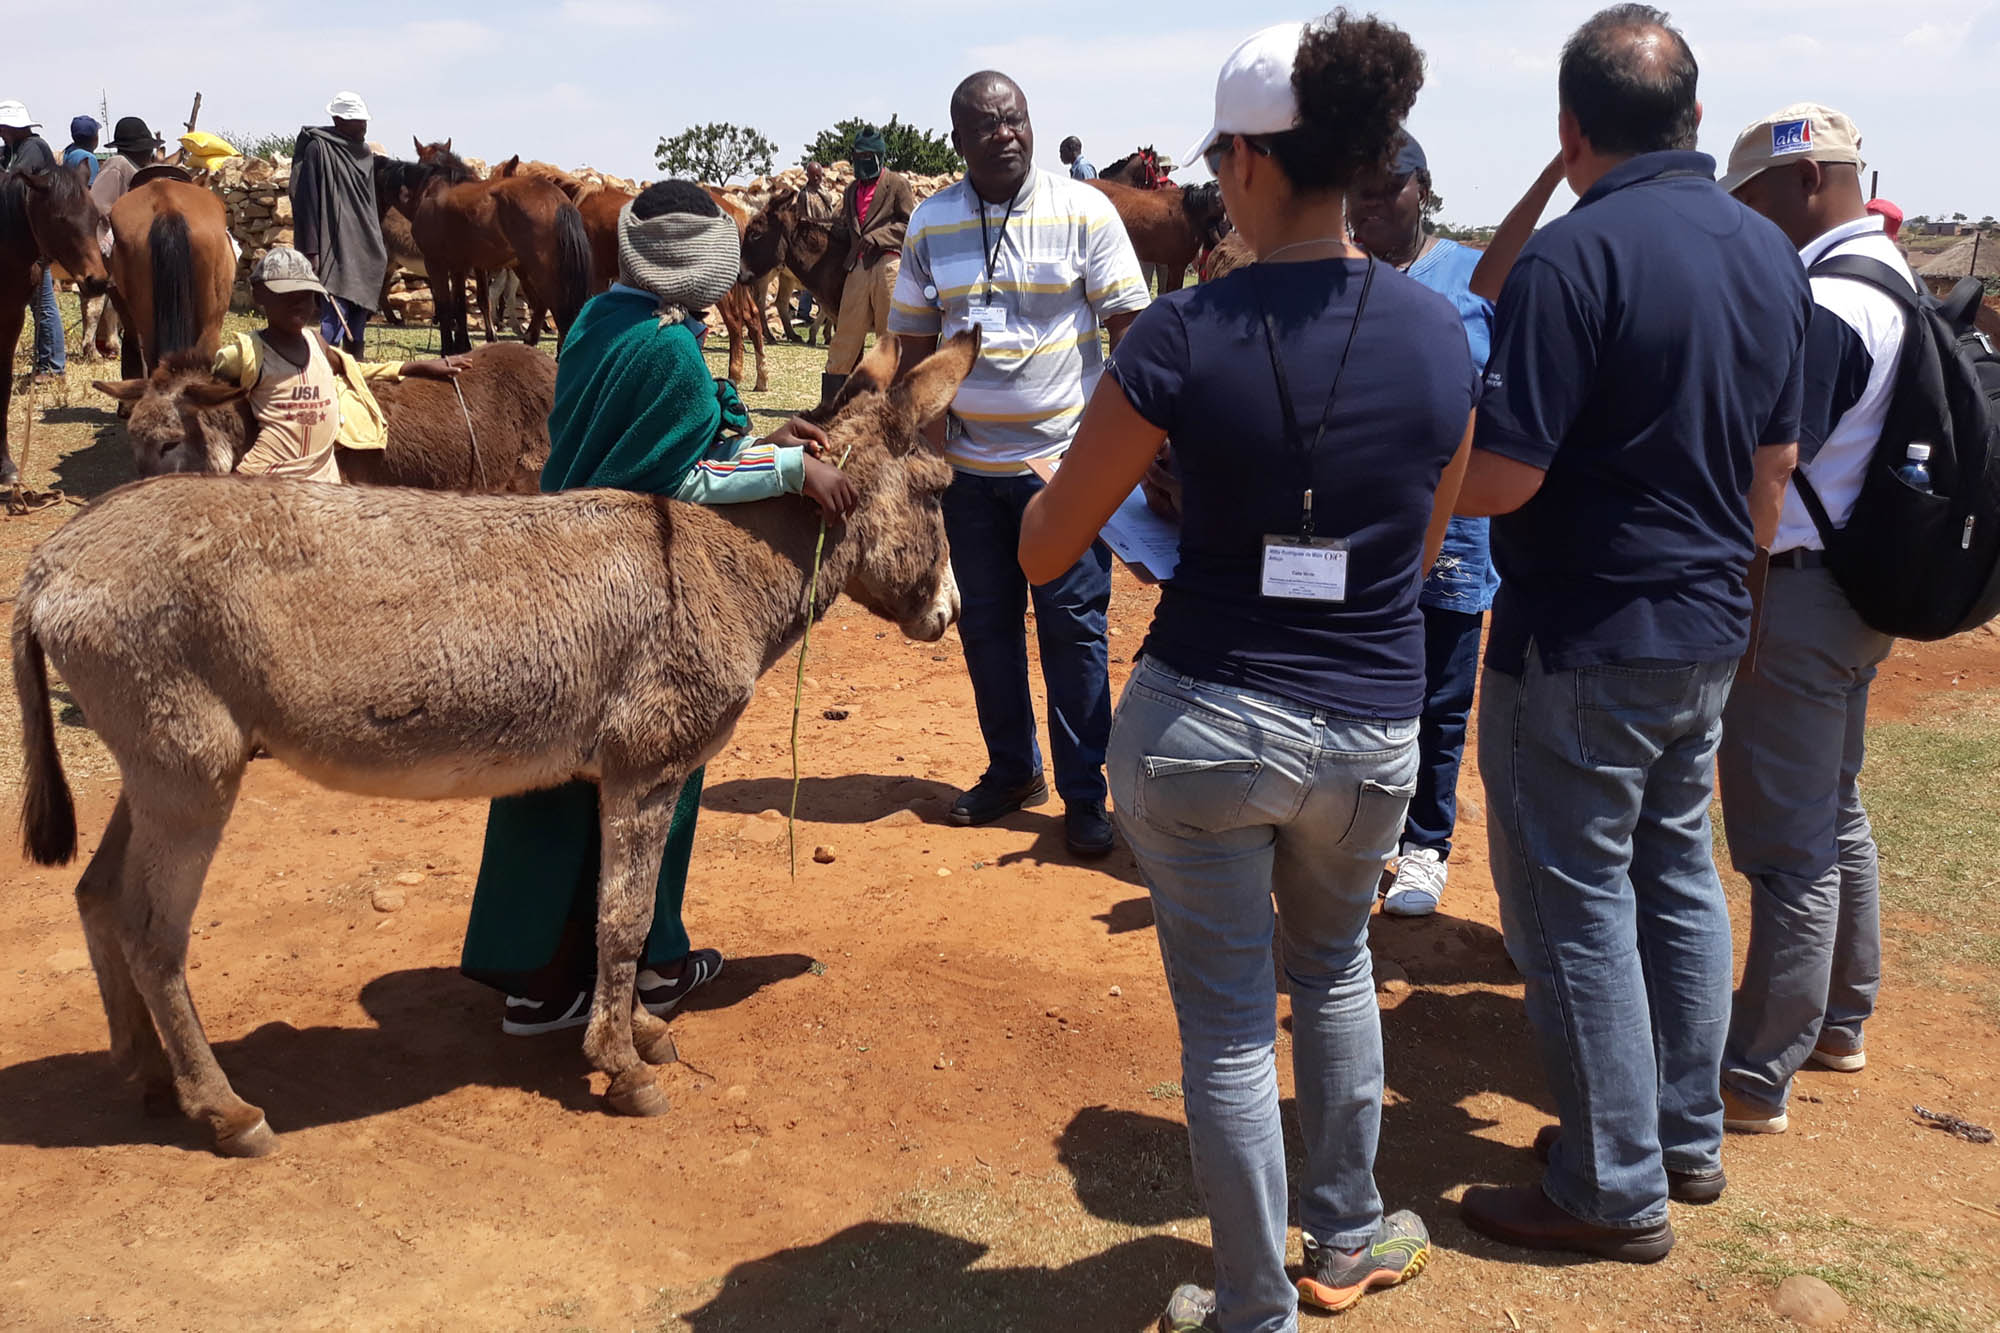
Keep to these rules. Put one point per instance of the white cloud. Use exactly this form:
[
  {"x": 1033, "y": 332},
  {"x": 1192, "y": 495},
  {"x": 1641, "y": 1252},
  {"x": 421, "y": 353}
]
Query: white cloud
[{"x": 619, "y": 14}]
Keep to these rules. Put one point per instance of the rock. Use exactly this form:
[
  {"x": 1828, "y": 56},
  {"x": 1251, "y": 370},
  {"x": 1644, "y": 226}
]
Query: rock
[
  {"x": 835, "y": 715},
  {"x": 736, "y": 1092},
  {"x": 944, "y": 872},
  {"x": 1809, "y": 1302},
  {"x": 410, "y": 877},
  {"x": 1115, "y": 992},
  {"x": 904, "y": 818},
  {"x": 282, "y": 210},
  {"x": 823, "y": 854},
  {"x": 741, "y": 1157},
  {"x": 387, "y": 900}
]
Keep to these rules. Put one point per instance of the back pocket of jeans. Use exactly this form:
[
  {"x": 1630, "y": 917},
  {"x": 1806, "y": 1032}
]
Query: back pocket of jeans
[
  {"x": 1379, "y": 813},
  {"x": 1625, "y": 713},
  {"x": 1190, "y": 796}
]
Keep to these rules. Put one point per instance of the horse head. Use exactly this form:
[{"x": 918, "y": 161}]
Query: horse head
[
  {"x": 904, "y": 568},
  {"x": 1205, "y": 213},
  {"x": 184, "y": 419},
  {"x": 64, "y": 221}
]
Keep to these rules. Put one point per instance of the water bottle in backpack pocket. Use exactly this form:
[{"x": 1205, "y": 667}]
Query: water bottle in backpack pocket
[{"x": 1916, "y": 470}]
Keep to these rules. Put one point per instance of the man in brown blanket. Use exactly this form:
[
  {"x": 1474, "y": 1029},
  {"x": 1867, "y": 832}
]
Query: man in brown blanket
[{"x": 874, "y": 215}]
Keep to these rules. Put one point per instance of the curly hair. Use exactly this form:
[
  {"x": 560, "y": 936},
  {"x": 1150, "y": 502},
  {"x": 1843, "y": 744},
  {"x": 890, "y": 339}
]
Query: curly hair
[{"x": 1356, "y": 80}]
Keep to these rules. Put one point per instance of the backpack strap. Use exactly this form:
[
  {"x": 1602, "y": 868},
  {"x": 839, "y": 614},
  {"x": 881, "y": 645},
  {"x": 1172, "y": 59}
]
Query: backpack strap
[
  {"x": 1871, "y": 271},
  {"x": 1810, "y": 498}
]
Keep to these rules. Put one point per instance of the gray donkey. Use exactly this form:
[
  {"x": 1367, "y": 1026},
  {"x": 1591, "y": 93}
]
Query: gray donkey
[{"x": 411, "y": 644}]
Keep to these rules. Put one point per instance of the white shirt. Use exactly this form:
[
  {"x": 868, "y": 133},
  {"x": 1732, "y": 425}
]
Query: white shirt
[{"x": 1861, "y": 352}]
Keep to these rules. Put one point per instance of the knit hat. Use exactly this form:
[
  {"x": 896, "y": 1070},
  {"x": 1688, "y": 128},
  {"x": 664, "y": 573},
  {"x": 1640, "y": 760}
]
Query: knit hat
[
  {"x": 686, "y": 260},
  {"x": 870, "y": 140}
]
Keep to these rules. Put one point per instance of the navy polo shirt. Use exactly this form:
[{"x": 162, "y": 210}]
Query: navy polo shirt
[{"x": 1644, "y": 347}]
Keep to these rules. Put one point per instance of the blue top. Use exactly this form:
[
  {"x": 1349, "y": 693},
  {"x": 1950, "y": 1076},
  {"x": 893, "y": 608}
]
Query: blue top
[
  {"x": 75, "y": 154},
  {"x": 1645, "y": 346},
  {"x": 1463, "y": 579},
  {"x": 1196, "y": 364},
  {"x": 1082, "y": 170}
]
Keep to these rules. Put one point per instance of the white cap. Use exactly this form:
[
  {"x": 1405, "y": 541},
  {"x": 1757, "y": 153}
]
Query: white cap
[
  {"x": 347, "y": 106},
  {"x": 14, "y": 116},
  {"x": 1253, "y": 94}
]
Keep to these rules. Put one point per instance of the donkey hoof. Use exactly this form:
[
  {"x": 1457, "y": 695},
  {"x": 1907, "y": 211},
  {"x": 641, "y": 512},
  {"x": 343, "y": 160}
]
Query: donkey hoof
[
  {"x": 256, "y": 1141},
  {"x": 659, "y": 1050},
  {"x": 639, "y": 1096}
]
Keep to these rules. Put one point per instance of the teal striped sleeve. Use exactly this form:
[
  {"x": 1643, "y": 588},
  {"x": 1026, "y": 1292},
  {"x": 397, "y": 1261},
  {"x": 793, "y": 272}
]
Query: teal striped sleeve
[{"x": 740, "y": 470}]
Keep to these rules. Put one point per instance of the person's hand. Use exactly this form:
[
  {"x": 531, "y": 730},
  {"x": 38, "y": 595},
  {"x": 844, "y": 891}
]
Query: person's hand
[
  {"x": 1162, "y": 487},
  {"x": 800, "y": 433},
  {"x": 435, "y": 368},
  {"x": 830, "y": 488}
]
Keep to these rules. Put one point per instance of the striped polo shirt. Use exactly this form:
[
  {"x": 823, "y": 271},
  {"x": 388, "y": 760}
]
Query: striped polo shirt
[{"x": 1063, "y": 266}]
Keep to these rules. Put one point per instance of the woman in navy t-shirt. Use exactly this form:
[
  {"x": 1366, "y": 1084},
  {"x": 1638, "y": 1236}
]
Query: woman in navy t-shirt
[{"x": 1266, "y": 744}]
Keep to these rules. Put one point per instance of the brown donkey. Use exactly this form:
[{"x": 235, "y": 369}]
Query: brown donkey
[
  {"x": 184, "y": 419},
  {"x": 351, "y": 633}
]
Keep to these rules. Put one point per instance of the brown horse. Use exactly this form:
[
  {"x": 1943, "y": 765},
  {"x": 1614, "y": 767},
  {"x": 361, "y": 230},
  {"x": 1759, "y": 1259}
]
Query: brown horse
[
  {"x": 172, "y": 268},
  {"x": 1170, "y": 228},
  {"x": 1141, "y": 170},
  {"x": 45, "y": 217},
  {"x": 600, "y": 205},
  {"x": 741, "y": 307},
  {"x": 184, "y": 419},
  {"x": 464, "y": 224},
  {"x": 391, "y": 175}
]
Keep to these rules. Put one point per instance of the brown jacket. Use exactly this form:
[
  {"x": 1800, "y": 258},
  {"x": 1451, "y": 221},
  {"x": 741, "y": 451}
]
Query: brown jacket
[{"x": 888, "y": 221}]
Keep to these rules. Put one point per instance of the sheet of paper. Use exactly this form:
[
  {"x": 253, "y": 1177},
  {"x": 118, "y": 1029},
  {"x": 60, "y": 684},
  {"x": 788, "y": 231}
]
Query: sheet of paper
[{"x": 1141, "y": 538}]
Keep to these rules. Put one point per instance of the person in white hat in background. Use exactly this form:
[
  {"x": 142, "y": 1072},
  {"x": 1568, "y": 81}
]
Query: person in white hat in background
[
  {"x": 21, "y": 149},
  {"x": 1792, "y": 734},
  {"x": 1320, "y": 404},
  {"x": 335, "y": 224}
]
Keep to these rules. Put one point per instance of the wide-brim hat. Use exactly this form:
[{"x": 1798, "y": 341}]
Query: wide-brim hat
[
  {"x": 132, "y": 135},
  {"x": 14, "y": 116}
]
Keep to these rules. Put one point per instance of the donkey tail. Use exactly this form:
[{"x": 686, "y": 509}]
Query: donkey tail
[
  {"x": 174, "y": 324},
  {"x": 48, "y": 812},
  {"x": 572, "y": 266}
]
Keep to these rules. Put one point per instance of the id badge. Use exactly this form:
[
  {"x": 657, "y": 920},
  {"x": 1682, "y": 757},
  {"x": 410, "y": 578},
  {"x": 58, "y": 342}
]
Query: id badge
[
  {"x": 991, "y": 318},
  {"x": 1305, "y": 569}
]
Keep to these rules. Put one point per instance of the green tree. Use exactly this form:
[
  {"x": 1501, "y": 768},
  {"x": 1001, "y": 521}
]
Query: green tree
[
  {"x": 716, "y": 154},
  {"x": 273, "y": 143},
  {"x": 1987, "y": 223},
  {"x": 1958, "y": 217},
  {"x": 1432, "y": 206},
  {"x": 924, "y": 152}
]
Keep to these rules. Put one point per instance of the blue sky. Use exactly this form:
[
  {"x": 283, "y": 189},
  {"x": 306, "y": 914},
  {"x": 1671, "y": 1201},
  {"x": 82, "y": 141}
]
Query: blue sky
[{"x": 599, "y": 81}]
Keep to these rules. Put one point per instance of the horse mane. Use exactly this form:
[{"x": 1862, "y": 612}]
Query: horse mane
[
  {"x": 13, "y": 204},
  {"x": 449, "y": 165},
  {"x": 575, "y": 187}
]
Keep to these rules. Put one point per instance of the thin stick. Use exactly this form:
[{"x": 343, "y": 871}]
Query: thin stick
[
  {"x": 1977, "y": 1207},
  {"x": 799, "y": 685},
  {"x": 478, "y": 467}
]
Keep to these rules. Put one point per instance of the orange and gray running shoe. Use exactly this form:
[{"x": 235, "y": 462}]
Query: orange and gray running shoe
[{"x": 1335, "y": 1279}]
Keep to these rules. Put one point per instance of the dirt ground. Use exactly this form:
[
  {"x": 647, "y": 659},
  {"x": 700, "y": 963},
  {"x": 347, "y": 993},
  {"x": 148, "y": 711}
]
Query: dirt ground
[{"x": 936, "y": 1087}]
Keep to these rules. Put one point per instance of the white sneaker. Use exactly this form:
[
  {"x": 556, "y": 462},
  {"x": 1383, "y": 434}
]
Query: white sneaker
[{"x": 1419, "y": 883}]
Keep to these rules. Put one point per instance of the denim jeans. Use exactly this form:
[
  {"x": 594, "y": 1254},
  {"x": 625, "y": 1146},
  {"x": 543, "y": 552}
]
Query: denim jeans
[
  {"x": 982, "y": 519},
  {"x": 1792, "y": 745},
  {"x": 1229, "y": 797},
  {"x": 1451, "y": 675},
  {"x": 50, "y": 352},
  {"x": 1598, "y": 782},
  {"x": 343, "y": 323}
]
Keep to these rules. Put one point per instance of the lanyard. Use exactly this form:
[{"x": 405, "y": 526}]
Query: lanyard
[
  {"x": 992, "y": 252},
  {"x": 1292, "y": 432}
]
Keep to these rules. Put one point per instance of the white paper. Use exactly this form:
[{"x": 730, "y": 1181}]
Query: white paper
[{"x": 1135, "y": 534}]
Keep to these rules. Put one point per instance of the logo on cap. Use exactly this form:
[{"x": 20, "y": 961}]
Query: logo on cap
[{"x": 1791, "y": 136}]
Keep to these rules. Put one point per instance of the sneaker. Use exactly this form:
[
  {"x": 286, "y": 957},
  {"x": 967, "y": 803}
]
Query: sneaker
[
  {"x": 1419, "y": 883},
  {"x": 1087, "y": 830},
  {"x": 1335, "y": 1279},
  {"x": 1741, "y": 1117},
  {"x": 531, "y": 1018},
  {"x": 988, "y": 800},
  {"x": 1190, "y": 1309},
  {"x": 662, "y": 995},
  {"x": 1843, "y": 1055}
]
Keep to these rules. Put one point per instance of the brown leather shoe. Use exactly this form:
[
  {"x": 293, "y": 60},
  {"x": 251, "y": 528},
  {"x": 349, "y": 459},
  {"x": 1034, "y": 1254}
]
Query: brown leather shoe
[
  {"x": 1682, "y": 1186},
  {"x": 1523, "y": 1215}
]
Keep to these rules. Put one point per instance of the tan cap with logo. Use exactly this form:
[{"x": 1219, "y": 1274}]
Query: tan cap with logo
[
  {"x": 284, "y": 269},
  {"x": 1802, "y": 132}
]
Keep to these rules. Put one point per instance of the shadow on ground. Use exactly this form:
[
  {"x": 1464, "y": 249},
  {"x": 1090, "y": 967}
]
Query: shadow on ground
[
  {"x": 102, "y": 465},
  {"x": 434, "y": 1032},
  {"x": 858, "y": 798}
]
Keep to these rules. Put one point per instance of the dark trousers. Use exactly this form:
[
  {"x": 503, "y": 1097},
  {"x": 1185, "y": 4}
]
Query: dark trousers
[
  {"x": 1451, "y": 677},
  {"x": 343, "y": 323},
  {"x": 982, "y": 518}
]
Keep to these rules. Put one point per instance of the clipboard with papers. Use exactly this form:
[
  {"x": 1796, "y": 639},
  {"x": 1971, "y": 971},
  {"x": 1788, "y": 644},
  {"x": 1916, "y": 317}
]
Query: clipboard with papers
[{"x": 1149, "y": 545}]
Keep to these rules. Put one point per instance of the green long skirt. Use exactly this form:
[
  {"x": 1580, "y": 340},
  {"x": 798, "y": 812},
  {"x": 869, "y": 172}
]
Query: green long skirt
[{"x": 533, "y": 930}]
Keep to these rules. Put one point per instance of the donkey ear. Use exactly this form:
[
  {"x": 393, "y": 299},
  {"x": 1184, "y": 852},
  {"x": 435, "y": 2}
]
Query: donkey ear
[
  {"x": 420, "y": 146},
  {"x": 125, "y": 391},
  {"x": 928, "y": 389},
  {"x": 214, "y": 395},
  {"x": 878, "y": 369}
]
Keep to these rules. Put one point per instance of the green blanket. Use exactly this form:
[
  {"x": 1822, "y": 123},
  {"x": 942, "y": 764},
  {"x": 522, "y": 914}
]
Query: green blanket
[{"x": 635, "y": 409}]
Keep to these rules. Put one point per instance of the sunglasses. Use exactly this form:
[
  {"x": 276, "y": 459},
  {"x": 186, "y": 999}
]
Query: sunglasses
[{"x": 1215, "y": 152}]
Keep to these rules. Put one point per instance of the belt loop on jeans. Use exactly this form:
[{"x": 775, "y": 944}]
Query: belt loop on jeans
[{"x": 1799, "y": 558}]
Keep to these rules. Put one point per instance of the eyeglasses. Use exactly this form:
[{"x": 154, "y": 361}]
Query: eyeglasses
[
  {"x": 1215, "y": 152},
  {"x": 988, "y": 126}
]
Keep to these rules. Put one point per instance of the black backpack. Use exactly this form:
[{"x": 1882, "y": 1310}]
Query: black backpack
[{"x": 1923, "y": 566}]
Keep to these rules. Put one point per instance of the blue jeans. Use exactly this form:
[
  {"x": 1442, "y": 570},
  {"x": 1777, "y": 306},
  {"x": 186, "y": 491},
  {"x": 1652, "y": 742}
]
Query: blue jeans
[
  {"x": 982, "y": 519},
  {"x": 1793, "y": 740},
  {"x": 1598, "y": 782},
  {"x": 332, "y": 311},
  {"x": 50, "y": 353},
  {"x": 1451, "y": 675},
  {"x": 1229, "y": 797}
]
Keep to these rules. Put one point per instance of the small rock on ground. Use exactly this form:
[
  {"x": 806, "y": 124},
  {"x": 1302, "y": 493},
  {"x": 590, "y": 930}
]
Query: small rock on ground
[
  {"x": 410, "y": 878},
  {"x": 823, "y": 854},
  {"x": 387, "y": 900},
  {"x": 1809, "y": 1302}
]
